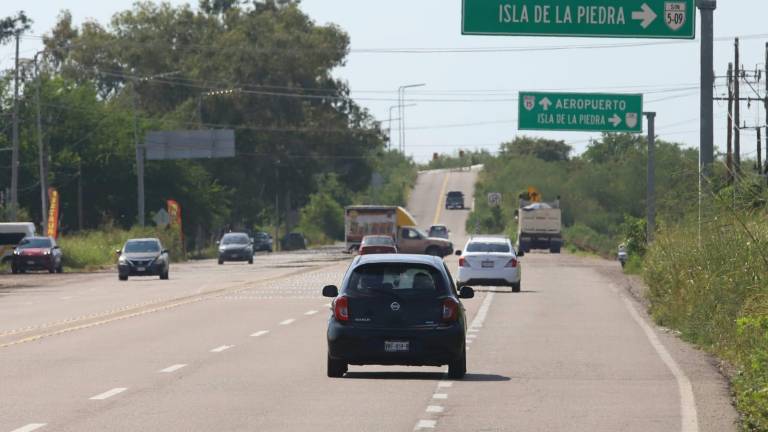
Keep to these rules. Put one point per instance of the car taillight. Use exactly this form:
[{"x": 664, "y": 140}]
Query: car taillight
[
  {"x": 512, "y": 263},
  {"x": 463, "y": 263},
  {"x": 341, "y": 308},
  {"x": 450, "y": 310}
]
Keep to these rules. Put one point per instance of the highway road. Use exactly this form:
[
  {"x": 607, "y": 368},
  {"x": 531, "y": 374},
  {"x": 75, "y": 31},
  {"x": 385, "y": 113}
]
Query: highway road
[{"x": 242, "y": 348}]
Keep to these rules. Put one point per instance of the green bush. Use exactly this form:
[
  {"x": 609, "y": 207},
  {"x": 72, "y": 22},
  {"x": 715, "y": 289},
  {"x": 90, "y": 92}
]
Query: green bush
[{"x": 95, "y": 249}]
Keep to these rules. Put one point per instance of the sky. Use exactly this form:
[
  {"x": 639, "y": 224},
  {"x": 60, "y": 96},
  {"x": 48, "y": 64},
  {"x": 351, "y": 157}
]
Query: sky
[{"x": 469, "y": 100}]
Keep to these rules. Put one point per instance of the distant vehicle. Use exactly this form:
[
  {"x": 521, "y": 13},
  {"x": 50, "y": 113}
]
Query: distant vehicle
[
  {"x": 11, "y": 234},
  {"x": 293, "y": 241},
  {"x": 235, "y": 247},
  {"x": 143, "y": 257},
  {"x": 262, "y": 242},
  {"x": 539, "y": 226},
  {"x": 395, "y": 222},
  {"x": 454, "y": 200},
  {"x": 397, "y": 310},
  {"x": 490, "y": 261},
  {"x": 37, "y": 253},
  {"x": 377, "y": 244},
  {"x": 439, "y": 231}
]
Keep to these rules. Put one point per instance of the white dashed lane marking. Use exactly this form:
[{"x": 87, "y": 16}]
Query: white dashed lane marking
[
  {"x": 287, "y": 322},
  {"x": 445, "y": 384},
  {"x": 221, "y": 348},
  {"x": 425, "y": 424},
  {"x": 30, "y": 427},
  {"x": 437, "y": 409},
  {"x": 440, "y": 396},
  {"x": 173, "y": 368},
  {"x": 312, "y": 312},
  {"x": 108, "y": 394},
  {"x": 260, "y": 333}
]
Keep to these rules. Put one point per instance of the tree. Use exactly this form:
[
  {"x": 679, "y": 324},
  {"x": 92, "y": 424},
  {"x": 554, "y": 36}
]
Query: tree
[{"x": 544, "y": 149}]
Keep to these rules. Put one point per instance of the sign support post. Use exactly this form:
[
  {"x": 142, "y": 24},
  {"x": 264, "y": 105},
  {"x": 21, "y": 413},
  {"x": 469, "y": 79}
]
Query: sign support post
[{"x": 651, "y": 191}]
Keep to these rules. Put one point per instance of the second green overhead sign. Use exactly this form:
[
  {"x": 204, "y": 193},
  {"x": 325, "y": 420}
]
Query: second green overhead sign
[
  {"x": 596, "y": 112},
  {"x": 588, "y": 18}
]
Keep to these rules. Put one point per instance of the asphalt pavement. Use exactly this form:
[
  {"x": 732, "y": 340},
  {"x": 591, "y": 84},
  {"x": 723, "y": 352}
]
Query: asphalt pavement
[{"x": 242, "y": 348}]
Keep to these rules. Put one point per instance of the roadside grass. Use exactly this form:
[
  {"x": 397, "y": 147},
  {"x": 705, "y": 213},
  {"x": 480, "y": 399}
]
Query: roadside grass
[
  {"x": 715, "y": 292},
  {"x": 93, "y": 250}
]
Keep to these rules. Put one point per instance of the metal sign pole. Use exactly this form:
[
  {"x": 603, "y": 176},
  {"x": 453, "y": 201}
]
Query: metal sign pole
[{"x": 651, "y": 189}]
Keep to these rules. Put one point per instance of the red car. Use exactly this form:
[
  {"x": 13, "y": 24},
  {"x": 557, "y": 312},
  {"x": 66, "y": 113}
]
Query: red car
[
  {"x": 37, "y": 253},
  {"x": 377, "y": 244}
]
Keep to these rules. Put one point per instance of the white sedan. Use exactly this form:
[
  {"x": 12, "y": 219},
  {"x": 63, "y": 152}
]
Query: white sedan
[{"x": 489, "y": 261}]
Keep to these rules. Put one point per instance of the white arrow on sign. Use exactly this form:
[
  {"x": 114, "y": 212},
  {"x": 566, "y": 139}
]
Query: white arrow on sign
[
  {"x": 545, "y": 103},
  {"x": 615, "y": 120},
  {"x": 647, "y": 16}
]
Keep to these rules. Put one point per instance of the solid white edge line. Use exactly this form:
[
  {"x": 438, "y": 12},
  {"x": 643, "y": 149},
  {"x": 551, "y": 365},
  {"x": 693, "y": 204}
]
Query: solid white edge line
[
  {"x": 30, "y": 427},
  {"x": 109, "y": 393},
  {"x": 173, "y": 368},
  {"x": 260, "y": 333},
  {"x": 688, "y": 413},
  {"x": 287, "y": 322},
  {"x": 425, "y": 424}
]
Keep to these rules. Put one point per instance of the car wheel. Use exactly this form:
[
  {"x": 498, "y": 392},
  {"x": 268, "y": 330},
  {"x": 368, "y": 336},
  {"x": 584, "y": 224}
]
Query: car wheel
[
  {"x": 554, "y": 249},
  {"x": 458, "y": 367},
  {"x": 60, "y": 268},
  {"x": 221, "y": 261},
  {"x": 516, "y": 287},
  {"x": 122, "y": 278},
  {"x": 164, "y": 275},
  {"x": 250, "y": 261},
  {"x": 434, "y": 251},
  {"x": 14, "y": 269},
  {"x": 336, "y": 368}
]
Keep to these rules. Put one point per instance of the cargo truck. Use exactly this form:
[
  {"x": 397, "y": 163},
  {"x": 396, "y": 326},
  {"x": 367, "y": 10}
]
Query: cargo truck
[
  {"x": 360, "y": 221},
  {"x": 539, "y": 225}
]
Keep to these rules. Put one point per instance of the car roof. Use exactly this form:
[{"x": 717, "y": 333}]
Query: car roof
[
  {"x": 438, "y": 226},
  {"x": 236, "y": 234},
  {"x": 489, "y": 239},
  {"x": 398, "y": 259},
  {"x": 143, "y": 239}
]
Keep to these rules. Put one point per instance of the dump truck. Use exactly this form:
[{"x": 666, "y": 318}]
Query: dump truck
[
  {"x": 360, "y": 221},
  {"x": 539, "y": 224}
]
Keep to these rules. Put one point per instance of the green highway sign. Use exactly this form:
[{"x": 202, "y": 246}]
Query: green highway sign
[
  {"x": 585, "y": 112},
  {"x": 659, "y": 19}
]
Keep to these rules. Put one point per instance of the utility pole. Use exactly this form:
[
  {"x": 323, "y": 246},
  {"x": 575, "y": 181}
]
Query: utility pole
[
  {"x": 15, "y": 149},
  {"x": 139, "y": 154},
  {"x": 737, "y": 113},
  {"x": 759, "y": 167},
  {"x": 729, "y": 129},
  {"x": 765, "y": 101},
  {"x": 40, "y": 147},
  {"x": 80, "y": 195},
  {"x": 651, "y": 187},
  {"x": 706, "y": 149}
]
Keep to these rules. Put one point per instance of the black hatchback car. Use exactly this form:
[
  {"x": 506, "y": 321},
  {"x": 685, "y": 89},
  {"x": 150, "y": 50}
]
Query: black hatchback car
[
  {"x": 397, "y": 310},
  {"x": 454, "y": 200}
]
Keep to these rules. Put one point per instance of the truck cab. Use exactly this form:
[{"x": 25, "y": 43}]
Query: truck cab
[{"x": 415, "y": 241}]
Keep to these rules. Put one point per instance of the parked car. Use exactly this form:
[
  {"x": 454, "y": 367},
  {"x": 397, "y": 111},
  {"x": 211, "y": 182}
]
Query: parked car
[
  {"x": 490, "y": 261},
  {"x": 454, "y": 200},
  {"x": 439, "y": 231},
  {"x": 293, "y": 241},
  {"x": 235, "y": 247},
  {"x": 37, "y": 253},
  {"x": 377, "y": 244},
  {"x": 397, "y": 310},
  {"x": 262, "y": 242},
  {"x": 143, "y": 257}
]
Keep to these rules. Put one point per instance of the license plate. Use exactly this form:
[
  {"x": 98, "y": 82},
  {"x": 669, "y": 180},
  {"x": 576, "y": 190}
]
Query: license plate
[
  {"x": 30, "y": 263},
  {"x": 397, "y": 346},
  {"x": 141, "y": 268},
  {"x": 487, "y": 264}
]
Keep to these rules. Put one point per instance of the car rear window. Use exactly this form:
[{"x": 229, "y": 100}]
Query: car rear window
[
  {"x": 488, "y": 247},
  {"x": 378, "y": 241},
  {"x": 396, "y": 279}
]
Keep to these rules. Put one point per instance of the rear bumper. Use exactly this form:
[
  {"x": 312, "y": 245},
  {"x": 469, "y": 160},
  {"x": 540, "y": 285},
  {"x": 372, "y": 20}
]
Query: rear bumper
[
  {"x": 539, "y": 241},
  {"x": 491, "y": 277},
  {"x": 435, "y": 346}
]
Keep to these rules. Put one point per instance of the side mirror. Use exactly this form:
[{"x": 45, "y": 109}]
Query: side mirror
[
  {"x": 57, "y": 247},
  {"x": 118, "y": 252},
  {"x": 466, "y": 293},
  {"x": 330, "y": 291},
  {"x": 166, "y": 251},
  {"x": 458, "y": 252},
  {"x": 218, "y": 242}
]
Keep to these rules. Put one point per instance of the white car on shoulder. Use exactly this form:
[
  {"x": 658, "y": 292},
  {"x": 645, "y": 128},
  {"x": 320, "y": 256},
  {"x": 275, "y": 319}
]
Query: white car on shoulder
[{"x": 489, "y": 261}]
